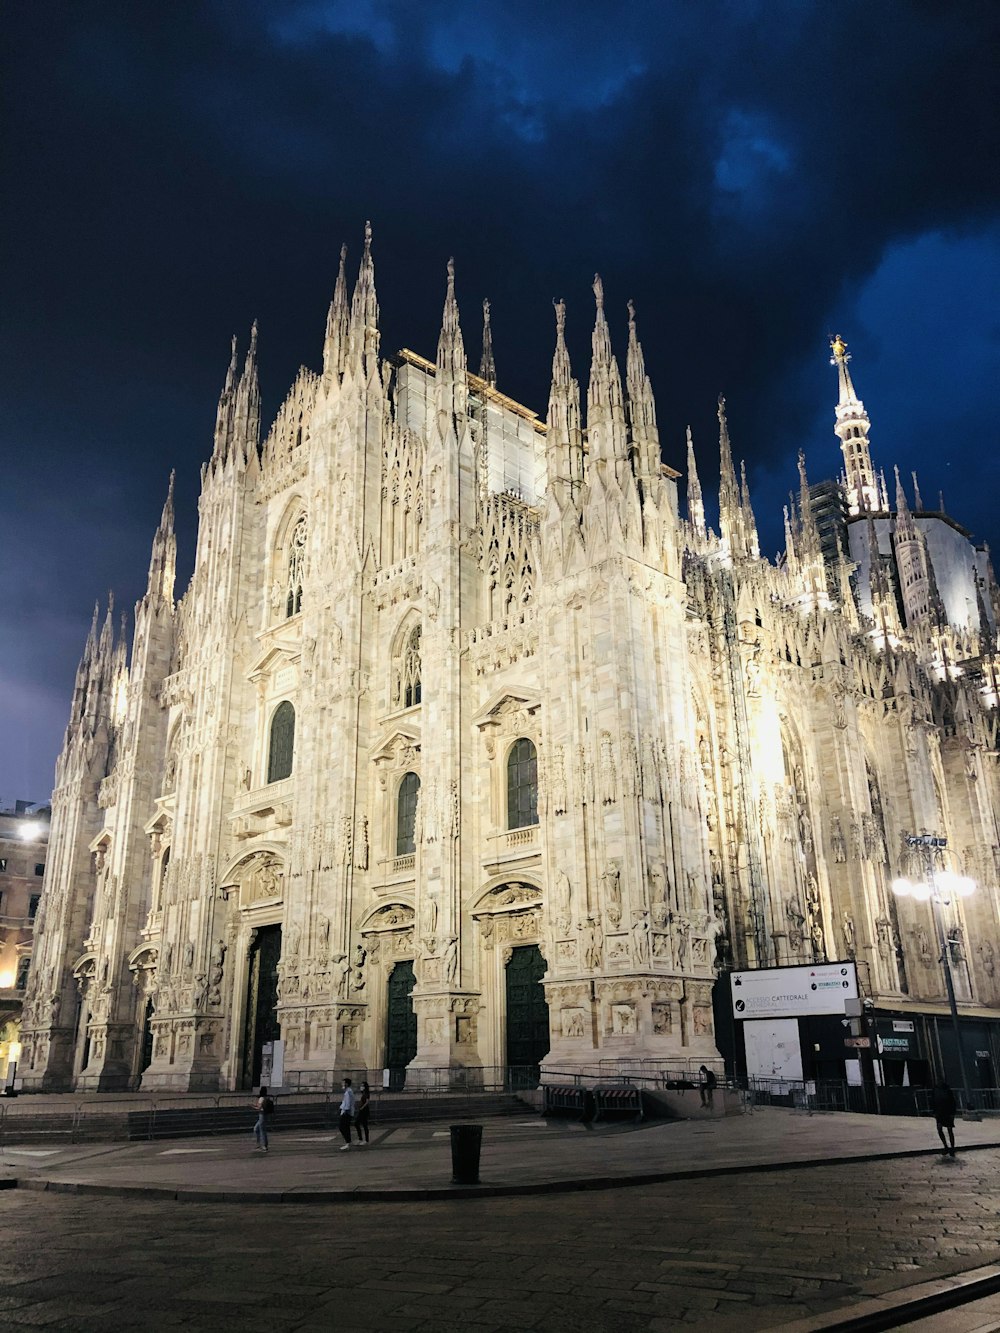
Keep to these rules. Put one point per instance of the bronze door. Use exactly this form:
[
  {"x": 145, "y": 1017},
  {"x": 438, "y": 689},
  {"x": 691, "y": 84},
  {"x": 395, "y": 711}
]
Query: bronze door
[
  {"x": 262, "y": 1001},
  {"x": 527, "y": 1016},
  {"x": 401, "y": 1024}
]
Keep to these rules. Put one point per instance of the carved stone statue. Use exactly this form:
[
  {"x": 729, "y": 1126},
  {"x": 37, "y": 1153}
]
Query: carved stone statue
[
  {"x": 563, "y": 902},
  {"x": 323, "y": 937},
  {"x": 340, "y": 970},
  {"x": 611, "y": 881},
  {"x": 818, "y": 945},
  {"x": 850, "y": 942},
  {"x": 640, "y": 939},
  {"x": 837, "y": 840},
  {"x": 593, "y": 943},
  {"x": 451, "y": 960},
  {"x": 883, "y": 937},
  {"x": 796, "y": 921},
  {"x": 989, "y": 957}
]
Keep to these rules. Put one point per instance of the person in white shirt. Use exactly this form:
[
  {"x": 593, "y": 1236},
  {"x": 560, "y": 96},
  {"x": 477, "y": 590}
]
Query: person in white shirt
[{"x": 346, "y": 1114}]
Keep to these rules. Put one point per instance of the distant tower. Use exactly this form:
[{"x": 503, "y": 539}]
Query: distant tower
[{"x": 852, "y": 427}]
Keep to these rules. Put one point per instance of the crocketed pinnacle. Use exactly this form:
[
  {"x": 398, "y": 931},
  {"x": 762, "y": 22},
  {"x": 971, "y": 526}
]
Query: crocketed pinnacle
[
  {"x": 645, "y": 439},
  {"x": 163, "y": 558},
  {"x": 729, "y": 497},
  {"x": 452, "y": 369},
  {"x": 363, "y": 334},
  {"x": 736, "y": 518},
  {"x": 487, "y": 366},
  {"x": 564, "y": 437},
  {"x": 605, "y": 406},
  {"x": 338, "y": 323},
  {"x": 246, "y": 404},
  {"x": 696, "y": 504},
  {"x": 224, "y": 412}
]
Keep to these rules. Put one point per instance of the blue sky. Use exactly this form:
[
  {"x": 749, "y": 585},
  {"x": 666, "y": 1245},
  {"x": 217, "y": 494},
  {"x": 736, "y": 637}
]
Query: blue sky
[{"x": 754, "y": 175}]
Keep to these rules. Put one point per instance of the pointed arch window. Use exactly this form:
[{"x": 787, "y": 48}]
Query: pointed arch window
[
  {"x": 522, "y": 784},
  {"x": 282, "y": 743},
  {"x": 406, "y": 815},
  {"x": 161, "y": 883},
  {"x": 296, "y": 566},
  {"x": 408, "y": 683}
]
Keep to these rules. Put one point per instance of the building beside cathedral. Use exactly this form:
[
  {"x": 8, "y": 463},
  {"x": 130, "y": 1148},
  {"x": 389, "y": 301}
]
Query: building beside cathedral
[{"x": 464, "y": 749}]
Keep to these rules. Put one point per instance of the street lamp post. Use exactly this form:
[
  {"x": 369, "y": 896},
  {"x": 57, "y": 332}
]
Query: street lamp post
[{"x": 939, "y": 887}]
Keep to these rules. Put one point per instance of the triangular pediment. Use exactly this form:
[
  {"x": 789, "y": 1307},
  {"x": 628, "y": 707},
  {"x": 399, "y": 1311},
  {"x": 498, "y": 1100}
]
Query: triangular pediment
[
  {"x": 403, "y": 736},
  {"x": 271, "y": 659},
  {"x": 507, "y": 701}
]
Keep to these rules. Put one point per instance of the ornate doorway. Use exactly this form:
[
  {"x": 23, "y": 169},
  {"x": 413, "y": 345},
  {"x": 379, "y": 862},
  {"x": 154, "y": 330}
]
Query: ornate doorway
[
  {"x": 401, "y": 1023},
  {"x": 527, "y": 1016},
  {"x": 262, "y": 1000}
]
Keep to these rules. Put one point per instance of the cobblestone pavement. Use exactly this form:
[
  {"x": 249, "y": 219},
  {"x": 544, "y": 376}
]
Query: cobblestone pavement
[{"x": 747, "y": 1252}]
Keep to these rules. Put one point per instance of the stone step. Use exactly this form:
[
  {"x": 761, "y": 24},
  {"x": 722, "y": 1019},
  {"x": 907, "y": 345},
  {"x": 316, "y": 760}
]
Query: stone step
[{"x": 152, "y": 1122}]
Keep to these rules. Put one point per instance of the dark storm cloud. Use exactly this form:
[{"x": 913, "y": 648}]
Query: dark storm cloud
[{"x": 751, "y": 173}]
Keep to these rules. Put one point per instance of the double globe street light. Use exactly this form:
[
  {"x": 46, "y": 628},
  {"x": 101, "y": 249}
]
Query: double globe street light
[{"x": 940, "y": 888}]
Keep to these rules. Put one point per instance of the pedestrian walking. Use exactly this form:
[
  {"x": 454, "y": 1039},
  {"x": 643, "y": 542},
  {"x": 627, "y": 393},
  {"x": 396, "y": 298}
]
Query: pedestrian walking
[
  {"x": 362, "y": 1112},
  {"x": 708, "y": 1085},
  {"x": 347, "y": 1104},
  {"x": 264, "y": 1106},
  {"x": 944, "y": 1107}
]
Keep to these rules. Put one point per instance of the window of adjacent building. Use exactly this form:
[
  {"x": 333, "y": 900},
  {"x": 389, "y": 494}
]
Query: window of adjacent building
[
  {"x": 522, "y": 784},
  {"x": 296, "y": 567},
  {"x": 406, "y": 815},
  {"x": 3, "y": 863},
  {"x": 33, "y": 902},
  {"x": 282, "y": 743},
  {"x": 39, "y": 867},
  {"x": 23, "y": 967}
]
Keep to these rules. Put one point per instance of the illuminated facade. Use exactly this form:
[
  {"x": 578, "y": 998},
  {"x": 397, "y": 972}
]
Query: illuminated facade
[
  {"x": 464, "y": 749},
  {"x": 24, "y": 833}
]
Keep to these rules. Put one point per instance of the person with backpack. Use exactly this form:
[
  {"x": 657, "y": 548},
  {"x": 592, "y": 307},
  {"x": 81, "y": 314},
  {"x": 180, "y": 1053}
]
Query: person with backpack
[
  {"x": 362, "y": 1112},
  {"x": 264, "y": 1106},
  {"x": 708, "y": 1084}
]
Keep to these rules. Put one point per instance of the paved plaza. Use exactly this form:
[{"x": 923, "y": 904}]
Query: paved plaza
[{"x": 739, "y": 1238}]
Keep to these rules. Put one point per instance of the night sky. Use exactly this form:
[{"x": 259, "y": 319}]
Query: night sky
[{"x": 756, "y": 175}]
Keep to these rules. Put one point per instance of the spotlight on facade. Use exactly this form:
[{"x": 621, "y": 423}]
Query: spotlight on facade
[{"x": 32, "y": 831}]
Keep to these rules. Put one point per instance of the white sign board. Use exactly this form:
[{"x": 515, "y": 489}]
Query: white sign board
[
  {"x": 793, "y": 992},
  {"x": 772, "y": 1050}
]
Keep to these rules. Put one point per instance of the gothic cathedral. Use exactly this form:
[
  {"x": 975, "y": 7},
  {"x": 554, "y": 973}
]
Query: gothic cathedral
[{"x": 463, "y": 749}]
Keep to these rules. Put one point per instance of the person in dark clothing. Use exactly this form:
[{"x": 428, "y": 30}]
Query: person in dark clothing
[
  {"x": 264, "y": 1106},
  {"x": 362, "y": 1112},
  {"x": 348, "y": 1101},
  {"x": 943, "y": 1104},
  {"x": 708, "y": 1085}
]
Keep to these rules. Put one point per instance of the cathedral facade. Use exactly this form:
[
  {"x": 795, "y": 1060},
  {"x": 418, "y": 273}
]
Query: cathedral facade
[{"x": 464, "y": 749}]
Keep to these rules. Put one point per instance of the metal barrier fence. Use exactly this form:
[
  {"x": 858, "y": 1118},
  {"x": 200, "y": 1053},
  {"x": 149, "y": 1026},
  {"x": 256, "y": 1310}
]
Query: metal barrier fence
[{"x": 825, "y": 1095}]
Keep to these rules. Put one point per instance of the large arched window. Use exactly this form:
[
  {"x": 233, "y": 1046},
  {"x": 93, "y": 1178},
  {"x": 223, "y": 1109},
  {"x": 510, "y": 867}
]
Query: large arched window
[
  {"x": 282, "y": 744},
  {"x": 522, "y": 784},
  {"x": 406, "y": 815},
  {"x": 296, "y": 565}
]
